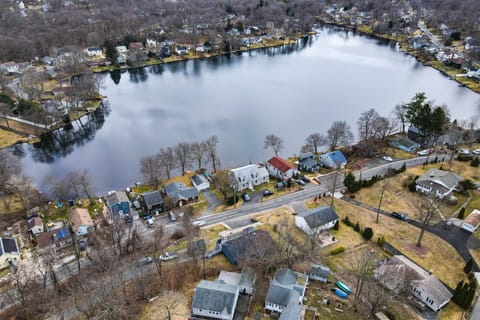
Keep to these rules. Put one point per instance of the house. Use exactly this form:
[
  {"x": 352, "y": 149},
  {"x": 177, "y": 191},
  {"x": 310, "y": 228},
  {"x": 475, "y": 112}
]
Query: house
[
  {"x": 54, "y": 239},
  {"x": 122, "y": 53},
  {"x": 181, "y": 50},
  {"x": 136, "y": 46},
  {"x": 404, "y": 143},
  {"x": 35, "y": 226},
  {"x": 364, "y": 150},
  {"x": 215, "y": 300},
  {"x": 316, "y": 219},
  {"x": 400, "y": 272},
  {"x": 320, "y": 273},
  {"x": 153, "y": 201},
  {"x": 9, "y": 67},
  {"x": 244, "y": 280},
  {"x": 280, "y": 168},
  {"x": 440, "y": 182},
  {"x": 81, "y": 221},
  {"x": 247, "y": 177},
  {"x": 180, "y": 194},
  {"x": 9, "y": 252},
  {"x": 151, "y": 44},
  {"x": 307, "y": 162},
  {"x": 94, "y": 52},
  {"x": 334, "y": 159},
  {"x": 250, "y": 244},
  {"x": 118, "y": 203},
  {"x": 285, "y": 294},
  {"x": 472, "y": 222},
  {"x": 200, "y": 182}
]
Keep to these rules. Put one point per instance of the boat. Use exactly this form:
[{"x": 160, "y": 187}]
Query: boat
[
  {"x": 343, "y": 286},
  {"x": 340, "y": 293}
]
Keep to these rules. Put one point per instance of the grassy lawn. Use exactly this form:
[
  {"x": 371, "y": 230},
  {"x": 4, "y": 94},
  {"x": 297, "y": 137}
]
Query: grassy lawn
[
  {"x": 8, "y": 138},
  {"x": 9, "y": 203},
  {"x": 451, "y": 312}
]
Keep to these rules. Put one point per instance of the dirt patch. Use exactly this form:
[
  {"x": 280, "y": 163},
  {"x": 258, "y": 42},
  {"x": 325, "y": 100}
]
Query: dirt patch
[{"x": 419, "y": 251}]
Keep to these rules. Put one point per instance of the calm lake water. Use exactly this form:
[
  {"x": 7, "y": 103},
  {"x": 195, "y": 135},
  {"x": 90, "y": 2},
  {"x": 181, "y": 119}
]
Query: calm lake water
[{"x": 290, "y": 92}]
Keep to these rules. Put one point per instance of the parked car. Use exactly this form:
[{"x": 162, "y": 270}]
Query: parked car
[
  {"x": 300, "y": 182},
  {"x": 82, "y": 245},
  {"x": 128, "y": 219},
  {"x": 399, "y": 216},
  {"x": 464, "y": 151},
  {"x": 144, "y": 261},
  {"x": 267, "y": 193},
  {"x": 168, "y": 256},
  {"x": 476, "y": 152},
  {"x": 199, "y": 223},
  {"x": 172, "y": 216},
  {"x": 423, "y": 152},
  {"x": 246, "y": 197},
  {"x": 305, "y": 179},
  {"x": 150, "y": 223},
  {"x": 387, "y": 158}
]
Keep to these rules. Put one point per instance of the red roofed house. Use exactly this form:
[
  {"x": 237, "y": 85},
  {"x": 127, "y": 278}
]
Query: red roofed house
[{"x": 280, "y": 168}]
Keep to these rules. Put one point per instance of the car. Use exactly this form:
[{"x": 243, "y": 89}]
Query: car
[
  {"x": 267, "y": 193},
  {"x": 172, "y": 216},
  {"x": 464, "y": 151},
  {"x": 423, "y": 152},
  {"x": 387, "y": 158},
  {"x": 144, "y": 261},
  {"x": 399, "y": 216},
  {"x": 199, "y": 223},
  {"x": 246, "y": 197},
  {"x": 147, "y": 217},
  {"x": 305, "y": 179},
  {"x": 82, "y": 245},
  {"x": 168, "y": 256},
  {"x": 150, "y": 223},
  {"x": 300, "y": 182},
  {"x": 128, "y": 219},
  {"x": 476, "y": 152}
]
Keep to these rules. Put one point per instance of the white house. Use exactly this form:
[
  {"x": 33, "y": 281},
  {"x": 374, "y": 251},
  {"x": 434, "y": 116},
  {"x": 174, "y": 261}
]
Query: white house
[
  {"x": 215, "y": 299},
  {"x": 440, "y": 182},
  {"x": 317, "y": 219},
  {"x": 35, "y": 225},
  {"x": 9, "y": 67},
  {"x": 400, "y": 272},
  {"x": 200, "y": 182},
  {"x": 94, "y": 51},
  {"x": 472, "y": 222},
  {"x": 9, "y": 252},
  {"x": 151, "y": 43},
  {"x": 81, "y": 221},
  {"x": 280, "y": 168},
  {"x": 320, "y": 273},
  {"x": 285, "y": 294},
  {"x": 247, "y": 177}
]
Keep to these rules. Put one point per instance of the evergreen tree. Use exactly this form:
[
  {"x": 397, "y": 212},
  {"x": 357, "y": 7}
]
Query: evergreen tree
[
  {"x": 457, "y": 291},
  {"x": 461, "y": 214},
  {"x": 469, "y": 265},
  {"x": 467, "y": 302}
]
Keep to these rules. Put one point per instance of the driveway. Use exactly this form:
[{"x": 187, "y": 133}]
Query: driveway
[{"x": 212, "y": 200}]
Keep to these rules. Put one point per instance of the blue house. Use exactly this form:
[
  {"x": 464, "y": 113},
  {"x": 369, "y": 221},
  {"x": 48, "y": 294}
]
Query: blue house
[
  {"x": 307, "y": 162},
  {"x": 118, "y": 203},
  {"x": 334, "y": 159}
]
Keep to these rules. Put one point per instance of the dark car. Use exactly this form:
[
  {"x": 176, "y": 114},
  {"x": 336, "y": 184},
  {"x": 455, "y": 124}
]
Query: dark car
[
  {"x": 399, "y": 216},
  {"x": 246, "y": 197},
  {"x": 82, "y": 245},
  {"x": 144, "y": 261},
  {"x": 305, "y": 179},
  {"x": 267, "y": 193},
  {"x": 128, "y": 219},
  {"x": 300, "y": 182}
]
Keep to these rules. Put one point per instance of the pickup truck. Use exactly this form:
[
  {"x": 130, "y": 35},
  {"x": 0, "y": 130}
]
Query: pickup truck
[{"x": 168, "y": 256}]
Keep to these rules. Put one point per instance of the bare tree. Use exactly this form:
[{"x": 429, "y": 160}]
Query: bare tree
[
  {"x": 211, "y": 145},
  {"x": 9, "y": 165},
  {"x": 151, "y": 169},
  {"x": 171, "y": 301},
  {"x": 366, "y": 124},
  {"x": 80, "y": 183},
  {"x": 400, "y": 113},
  {"x": 383, "y": 188},
  {"x": 425, "y": 208},
  {"x": 22, "y": 187},
  {"x": 183, "y": 155},
  {"x": 288, "y": 245},
  {"x": 361, "y": 267},
  {"x": 167, "y": 160},
  {"x": 199, "y": 151},
  {"x": 222, "y": 183},
  {"x": 274, "y": 142},
  {"x": 339, "y": 134},
  {"x": 315, "y": 140},
  {"x": 383, "y": 127}
]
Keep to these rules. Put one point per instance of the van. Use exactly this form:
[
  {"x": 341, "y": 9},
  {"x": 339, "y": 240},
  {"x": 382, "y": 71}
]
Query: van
[
  {"x": 150, "y": 223},
  {"x": 172, "y": 216}
]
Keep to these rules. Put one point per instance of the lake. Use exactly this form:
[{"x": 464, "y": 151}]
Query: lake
[{"x": 288, "y": 91}]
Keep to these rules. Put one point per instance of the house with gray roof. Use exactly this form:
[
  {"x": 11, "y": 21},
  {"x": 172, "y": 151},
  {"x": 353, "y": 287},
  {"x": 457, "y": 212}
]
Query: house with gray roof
[
  {"x": 439, "y": 182},
  {"x": 316, "y": 219},
  {"x": 9, "y": 252},
  {"x": 200, "y": 182},
  {"x": 180, "y": 194},
  {"x": 400, "y": 272},
  {"x": 118, "y": 203},
  {"x": 320, "y": 273},
  {"x": 153, "y": 201},
  {"x": 307, "y": 162},
  {"x": 215, "y": 300},
  {"x": 285, "y": 293},
  {"x": 247, "y": 177}
]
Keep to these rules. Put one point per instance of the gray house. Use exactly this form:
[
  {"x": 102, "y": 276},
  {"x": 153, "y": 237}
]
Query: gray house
[
  {"x": 215, "y": 300},
  {"x": 180, "y": 194},
  {"x": 320, "y": 273},
  {"x": 316, "y": 219},
  {"x": 440, "y": 183},
  {"x": 153, "y": 201},
  {"x": 307, "y": 162},
  {"x": 285, "y": 294}
]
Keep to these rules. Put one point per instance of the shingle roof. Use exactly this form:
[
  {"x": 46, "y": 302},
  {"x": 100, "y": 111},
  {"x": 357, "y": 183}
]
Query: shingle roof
[
  {"x": 319, "y": 216},
  {"x": 80, "y": 217},
  {"x": 337, "y": 157},
  {"x": 185, "y": 194},
  {"x": 281, "y": 164},
  {"x": 293, "y": 309},
  {"x": 116, "y": 197},
  {"x": 285, "y": 276},
  {"x": 247, "y": 246},
  {"x": 199, "y": 179},
  {"x": 278, "y": 295},
  {"x": 440, "y": 178},
  {"x": 8, "y": 245},
  {"x": 305, "y": 155},
  {"x": 308, "y": 163},
  {"x": 36, "y": 221},
  {"x": 215, "y": 296},
  {"x": 321, "y": 271},
  {"x": 152, "y": 198}
]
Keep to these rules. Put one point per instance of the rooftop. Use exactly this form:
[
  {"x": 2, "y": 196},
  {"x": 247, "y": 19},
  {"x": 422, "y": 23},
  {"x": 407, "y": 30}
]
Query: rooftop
[{"x": 281, "y": 164}]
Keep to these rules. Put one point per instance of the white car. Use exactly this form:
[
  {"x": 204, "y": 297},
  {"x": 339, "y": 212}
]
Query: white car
[
  {"x": 464, "y": 151},
  {"x": 476, "y": 152},
  {"x": 387, "y": 158},
  {"x": 199, "y": 223},
  {"x": 423, "y": 152}
]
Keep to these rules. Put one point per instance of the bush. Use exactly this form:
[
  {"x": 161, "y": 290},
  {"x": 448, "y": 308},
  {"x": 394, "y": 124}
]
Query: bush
[
  {"x": 347, "y": 221},
  {"x": 464, "y": 157},
  {"x": 412, "y": 186},
  {"x": 381, "y": 240},
  {"x": 475, "y": 162},
  {"x": 367, "y": 233},
  {"x": 357, "y": 227},
  {"x": 336, "y": 226},
  {"x": 337, "y": 250},
  {"x": 461, "y": 214}
]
